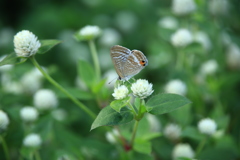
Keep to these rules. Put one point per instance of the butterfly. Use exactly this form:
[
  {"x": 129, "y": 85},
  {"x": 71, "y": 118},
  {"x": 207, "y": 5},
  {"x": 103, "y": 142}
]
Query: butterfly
[{"x": 127, "y": 63}]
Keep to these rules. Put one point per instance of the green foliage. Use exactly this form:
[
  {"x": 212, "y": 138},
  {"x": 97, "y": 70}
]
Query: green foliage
[
  {"x": 46, "y": 45},
  {"x": 117, "y": 105},
  {"x": 12, "y": 59}
]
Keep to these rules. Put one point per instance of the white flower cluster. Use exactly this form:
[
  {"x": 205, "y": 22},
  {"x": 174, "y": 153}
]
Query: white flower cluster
[
  {"x": 59, "y": 114},
  {"x": 207, "y": 126},
  {"x": 89, "y": 32},
  {"x": 45, "y": 99},
  {"x": 4, "y": 121},
  {"x": 183, "y": 7},
  {"x": 218, "y": 7},
  {"x": 209, "y": 67},
  {"x": 233, "y": 56},
  {"x": 32, "y": 140},
  {"x": 181, "y": 38},
  {"x": 29, "y": 113},
  {"x": 176, "y": 86},
  {"x": 168, "y": 22},
  {"x": 172, "y": 131},
  {"x": 120, "y": 92},
  {"x": 182, "y": 150},
  {"x": 112, "y": 136},
  {"x": 26, "y": 44},
  {"x": 154, "y": 123},
  {"x": 203, "y": 39},
  {"x": 142, "y": 88}
]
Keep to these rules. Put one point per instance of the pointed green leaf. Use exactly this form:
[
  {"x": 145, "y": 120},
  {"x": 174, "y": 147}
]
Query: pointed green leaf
[
  {"x": 164, "y": 103},
  {"x": 118, "y": 104},
  {"x": 109, "y": 117},
  {"x": 96, "y": 88},
  {"x": 151, "y": 136},
  {"x": 12, "y": 58},
  {"x": 86, "y": 73},
  {"x": 142, "y": 146},
  {"x": 46, "y": 45}
]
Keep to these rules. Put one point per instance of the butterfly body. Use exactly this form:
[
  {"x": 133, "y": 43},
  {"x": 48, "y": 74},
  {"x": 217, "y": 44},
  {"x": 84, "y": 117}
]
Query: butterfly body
[{"x": 127, "y": 63}]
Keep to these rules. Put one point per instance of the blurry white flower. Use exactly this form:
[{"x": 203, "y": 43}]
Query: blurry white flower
[
  {"x": 112, "y": 136},
  {"x": 176, "y": 86},
  {"x": 110, "y": 37},
  {"x": 142, "y": 88},
  {"x": 154, "y": 123},
  {"x": 4, "y": 121},
  {"x": 45, "y": 99},
  {"x": 182, "y": 150},
  {"x": 126, "y": 21},
  {"x": 233, "y": 56},
  {"x": 32, "y": 140},
  {"x": 168, "y": 22},
  {"x": 26, "y": 44},
  {"x": 218, "y": 134},
  {"x": 110, "y": 75},
  {"x": 207, "y": 126},
  {"x": 172, "y": 131},
  {"x": 89, "y": 32},
  {"x": 29, "y": 113},
  {"x": 181, "y": 38},
  {"x": 183, "y": 7},
  {"x": 218, "y": 7},
  {"x": 209, "y": 67},
  {"x": 7, "y": 67},
  {"x": 120, "y": 92},
  {"x": 203, "y": 39},
  {"x": 12, "y": 87},
  {"x": 59, "y": 114}
]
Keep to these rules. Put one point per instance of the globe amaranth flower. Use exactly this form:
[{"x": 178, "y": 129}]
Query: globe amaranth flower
[
  {"x": 88, "y": 32},
  {"x": 176, "y": 86},
  {"x": 26, "y": 44},
  {"x": 207, "y": 126},
  {"x": 154, "y": 123},
  {"x": 32, "y": 140},
  {"x": 112, "y": 136},
  {"x": 142, "y": 88},
  {"x": 182, "y": 150},
  {"x": 29, "y": 113},
  {"x": 203, "y": 39},
  {"x": 4, "y": 121},
  {"x": 45, "y": 99},
  {"x": 181, "y": 38},
  {"x": 209, "y": 67},
  {"x": 183, "y": 7},
  {"x": 172, "y": 131},
  {"x": 233, "y": 56},
  {"x": 120, "y": 92},
  {"x": 168, "y": 22}
]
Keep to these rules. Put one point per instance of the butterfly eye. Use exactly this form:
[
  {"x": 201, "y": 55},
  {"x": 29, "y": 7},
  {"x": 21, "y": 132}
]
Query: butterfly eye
[{"x": 143, "y": 63}]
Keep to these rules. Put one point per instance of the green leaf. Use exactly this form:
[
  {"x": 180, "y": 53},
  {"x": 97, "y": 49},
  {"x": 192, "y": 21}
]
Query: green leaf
[
  {"x": 96, "y": 88},
  {"x": 80, "y": 94},
  {"x": 193, "y": 133},
  {"x": 151, "y": 136},
  {"x": 118, "y": 104},
  {"x": 86, "y": 73},
  {"x": 46, "y": 45},
  {"x": 12, "y": 58},
  {"x": 109, "y": 117},
  {"x": 164, "y": 103},
  {"x": 142, "y": 146}
]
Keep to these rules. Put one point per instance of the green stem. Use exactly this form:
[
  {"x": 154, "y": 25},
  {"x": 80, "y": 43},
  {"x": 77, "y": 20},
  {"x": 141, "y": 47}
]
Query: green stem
[
  {"x": 5, "y": 148},
  {"x": 95, "y": 58},
  {"x": 130, "y": 105},
  {"x": 134, "y": 133},
  {"x": 78, "y": 103},
  {"x": 200, "y": 146},
  {"x": 37, "y": 155},
  {"x": 180, "y": 58}
]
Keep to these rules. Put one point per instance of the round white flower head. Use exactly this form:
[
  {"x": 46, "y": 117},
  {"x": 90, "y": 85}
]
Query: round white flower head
[
  {"x": 26, "y": 44},
  {"x": 203, "y": 39},
  {"x": 233, "y": 56},
  {"x": 59, "y": 114},
  {"x": 45, "y": 99},
  {"x": 89, "y": 32},
  {"x": 218, "y": 7},
  {"x": 142, "y": 88},
  {"x": 172, "y": 131},
  {"x": 120, "y": 92},
  {"x": 112, "y": 136},
  {"x": 182, "y": 150},
  {"x": 4, "y": 121},
  {"x": 207, "y": 126},
  {"x": 110, "y": 37},
  {"x": 6, "y": 67},
  {"x": 176, "y": 86},
  {"x": 209, "y": 67},
  {"x": 32, "y": 140},
  {"x": 29, "y": 113},
  {"x": 183, "y": 7},
  {"x": 181, "y": 38},
  {"x": 168, "y": 22},
  {"x": 154, "y": 123}
]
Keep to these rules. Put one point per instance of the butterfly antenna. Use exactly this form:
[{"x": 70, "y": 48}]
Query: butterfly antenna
[{"x": 112, "y": 80}]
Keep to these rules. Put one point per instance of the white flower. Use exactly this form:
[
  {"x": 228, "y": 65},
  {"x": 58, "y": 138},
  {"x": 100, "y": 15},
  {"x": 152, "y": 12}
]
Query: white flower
[
  {"x": 183, "y": 7},
  {"x": 7, "y": 67},
  {"x": 142, "y": 88},
  {"x": 110, "y": 37},
  {"x": 4, "y": 121},
  {"x": 218, "y": 7},
  {"x": 207, "y": 126},
  {"x": 120, "y": 92},
  {"x": 45, "y": 99},
  {"x": 176, "y": 86},
  {"x": 181, "y": 38},
  {"x": 89, "y": 32},
  {"x": 112, "y": 136},
  {"x": 154, "y": 123},
  {"x": 209, "y": 67},
  {"x": 12, "y": 87},
  {"x": 218, "y": 134},
  {"x": 168, "y": 22},
  {"x": 233, "y": 56},
  {"x": 203, "y": 39},
  {"x": 26, "y": 44},
  {"x": 172, "y": 131},
  {"x": 29, "y": 113},
  {"x": 182, "y": 150},
  {"x": 32, "y": 140},
  {"x": 59, "y": 114}
]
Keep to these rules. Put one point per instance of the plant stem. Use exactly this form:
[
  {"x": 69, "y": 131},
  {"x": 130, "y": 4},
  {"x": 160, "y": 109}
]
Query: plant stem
[
  {"x": 77, "y": 102},
  {"x": 37, "y": 156},
  {"x": 180, "y": 59},
  {"x": 200, "y": 146},
  {"x": 134, "y": 133},
  {"x": 5, "y": 148},
  {"x": 95, "y": 58}
]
